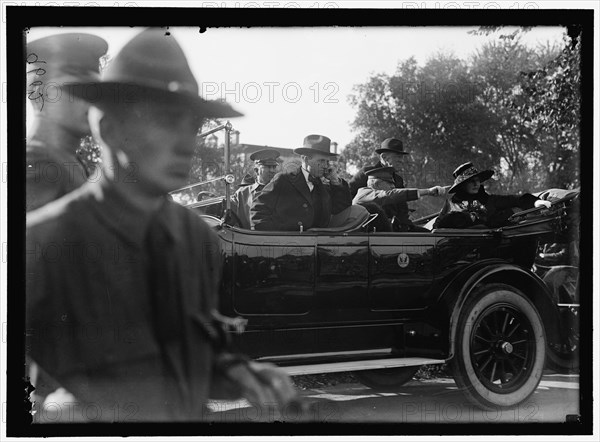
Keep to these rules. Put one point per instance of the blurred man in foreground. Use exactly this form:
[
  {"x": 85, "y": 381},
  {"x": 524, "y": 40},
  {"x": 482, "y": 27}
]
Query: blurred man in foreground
[{"x": 141, "y": 270}]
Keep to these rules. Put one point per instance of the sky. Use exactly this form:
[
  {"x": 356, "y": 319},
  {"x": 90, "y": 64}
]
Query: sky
[{"x": 295, "y": 81}]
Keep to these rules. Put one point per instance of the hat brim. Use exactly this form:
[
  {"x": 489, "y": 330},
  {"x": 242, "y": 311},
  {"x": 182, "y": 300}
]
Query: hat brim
[
  {"x": 381, "y": 150},
  {"x": 309, "y": 151},
  {"x": 484, "y": 175},
  {"x": 109, "y": 94}
]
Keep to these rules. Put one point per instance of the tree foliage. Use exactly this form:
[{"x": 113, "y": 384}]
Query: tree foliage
[{"x": 507, "y": 107}]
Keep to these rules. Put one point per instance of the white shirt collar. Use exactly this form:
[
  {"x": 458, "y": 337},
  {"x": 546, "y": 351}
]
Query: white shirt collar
[{"x": 306, "y": 174}]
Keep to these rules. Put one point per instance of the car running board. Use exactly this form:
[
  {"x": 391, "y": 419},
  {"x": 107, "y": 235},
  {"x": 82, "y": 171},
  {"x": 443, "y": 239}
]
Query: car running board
[{"x": 335, "y": 367}]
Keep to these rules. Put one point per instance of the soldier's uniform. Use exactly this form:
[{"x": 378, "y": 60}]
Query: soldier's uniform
[
  {"x": 241, "y": 200},
  {"x": 53, "y": 168}
]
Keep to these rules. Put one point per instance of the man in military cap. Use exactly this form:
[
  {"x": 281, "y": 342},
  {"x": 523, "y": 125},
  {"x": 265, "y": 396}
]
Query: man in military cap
[
  {"x": 150, "y": 289},
  {"x": 381, "y": 190},
  {"x": 265, "y": 168},
  {"x": 298, "y": 199},
  {"x": 392, "y": 154},
  {"x": 60, "y": 118}
]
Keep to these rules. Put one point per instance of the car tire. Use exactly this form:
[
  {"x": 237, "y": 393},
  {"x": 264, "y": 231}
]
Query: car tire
[
  {"x": 500, "y": 347},
  {"x": 386, "y": 378}
]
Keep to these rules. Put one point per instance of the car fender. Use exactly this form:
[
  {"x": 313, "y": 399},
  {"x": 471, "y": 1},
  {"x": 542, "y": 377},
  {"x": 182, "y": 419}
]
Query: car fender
[{"x": 492, "y": 271}]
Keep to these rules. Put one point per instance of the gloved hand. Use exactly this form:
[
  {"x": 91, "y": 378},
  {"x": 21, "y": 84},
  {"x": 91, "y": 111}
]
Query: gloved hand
[{"x": 542, "y": 203}]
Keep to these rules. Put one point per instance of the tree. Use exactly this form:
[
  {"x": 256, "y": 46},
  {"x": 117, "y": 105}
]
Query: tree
[
  {"x": 502, "y": 108},
  {"x": 551, "y": 106}
]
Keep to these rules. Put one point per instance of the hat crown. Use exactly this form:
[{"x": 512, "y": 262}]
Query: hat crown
[
  {"x": 153, "y": 58},
  {"x": 463, "y": 168},
  {"x": 71, "y": 54},
  {"x": 391, "y": 145},
  {"x": 319, "y": 142}
]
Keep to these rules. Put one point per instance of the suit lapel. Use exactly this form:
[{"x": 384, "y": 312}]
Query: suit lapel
[{"x": 299, "y": 183}]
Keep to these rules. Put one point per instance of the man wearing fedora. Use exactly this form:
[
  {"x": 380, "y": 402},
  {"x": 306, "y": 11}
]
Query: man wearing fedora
[
  {"x": 381, "y": 190},
  {"x": 53, "y": 168},
  {"x": 391, "y": 154},
  {"x": 299, "y": 200},
  {"x": 143, "y": 271},
  {"x": 265, "y": 168}
]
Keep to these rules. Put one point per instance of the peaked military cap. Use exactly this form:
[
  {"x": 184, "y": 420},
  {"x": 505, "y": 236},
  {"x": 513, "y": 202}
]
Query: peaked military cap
[
  {"x": 385, "y": 173},
  {"x": 266, "y": 157},
  {"x": 72, "y": 57}
]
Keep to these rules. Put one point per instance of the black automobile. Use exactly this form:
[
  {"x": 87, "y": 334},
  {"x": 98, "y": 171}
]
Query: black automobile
[{"x": 382, "y": 304}]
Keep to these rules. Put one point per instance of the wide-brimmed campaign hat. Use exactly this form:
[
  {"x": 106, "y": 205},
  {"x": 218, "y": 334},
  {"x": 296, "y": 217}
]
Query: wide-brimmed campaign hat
[
  {"x": 392, "y": 145},
  {"x": 384, "y": 173},
  {"x": 266, "y": 157},
  {"x": 62, "y": 58},
  {"x": 316, "y": 144},
  {"x": 465, "y": 172},
  {"x": 152, "y": 66}
]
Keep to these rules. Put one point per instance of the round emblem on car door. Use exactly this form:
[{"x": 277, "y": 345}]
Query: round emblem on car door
[{"x": 403, "y": 260}]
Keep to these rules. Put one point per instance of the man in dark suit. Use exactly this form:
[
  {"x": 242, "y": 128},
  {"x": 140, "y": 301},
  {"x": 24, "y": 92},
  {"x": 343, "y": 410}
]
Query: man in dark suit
[{"x": 299, "y": 199}]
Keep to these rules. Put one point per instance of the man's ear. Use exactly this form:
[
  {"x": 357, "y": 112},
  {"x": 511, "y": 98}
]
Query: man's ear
[{"x": 108, "y": 130}]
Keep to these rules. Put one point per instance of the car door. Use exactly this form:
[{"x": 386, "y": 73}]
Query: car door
[{"x": 401, "y": 270}]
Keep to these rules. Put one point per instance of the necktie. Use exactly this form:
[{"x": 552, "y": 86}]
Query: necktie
[{"x": 315, "y": 182}]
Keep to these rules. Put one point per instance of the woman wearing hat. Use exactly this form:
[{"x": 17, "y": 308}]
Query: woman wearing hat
[{"x": 472, "y": 206}]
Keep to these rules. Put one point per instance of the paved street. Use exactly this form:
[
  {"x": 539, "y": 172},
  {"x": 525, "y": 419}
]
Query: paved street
[{"x": 429, "y": 401}]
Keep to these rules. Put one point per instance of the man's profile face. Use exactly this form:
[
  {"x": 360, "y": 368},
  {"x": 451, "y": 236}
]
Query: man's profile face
[
  {"x": 264, "y": 174},
  {"x": 69, "y": 112},
  {"x": 392, "y": 159},
  {"x": 380, "y": 183},
  {"x": 317, "y": 164},
  {"x": 159, "y": 139}
]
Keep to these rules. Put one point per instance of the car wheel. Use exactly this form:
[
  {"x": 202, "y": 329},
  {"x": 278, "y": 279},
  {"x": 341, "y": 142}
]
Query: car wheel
[
  {"x": 386, "y": 378},
  {"x": 500, "y": 347}
]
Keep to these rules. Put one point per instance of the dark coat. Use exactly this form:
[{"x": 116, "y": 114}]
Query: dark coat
[
  {"x": 286, "y": 202},
  {"x": 114, "y": 298},
  {"x": 464, "y": 211}
]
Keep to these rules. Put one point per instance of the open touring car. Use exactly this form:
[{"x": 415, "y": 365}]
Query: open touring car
[{"x": 382, "y": 304}]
